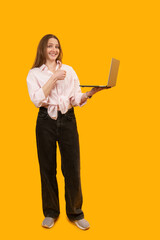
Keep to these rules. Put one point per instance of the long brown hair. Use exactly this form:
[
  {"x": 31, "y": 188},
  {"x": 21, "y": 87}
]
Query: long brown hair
[{"x": 40, "y": 56}]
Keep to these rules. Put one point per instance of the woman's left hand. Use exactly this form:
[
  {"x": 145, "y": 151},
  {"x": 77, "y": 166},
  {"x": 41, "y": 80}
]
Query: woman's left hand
[{"x": 97, "y": 89}]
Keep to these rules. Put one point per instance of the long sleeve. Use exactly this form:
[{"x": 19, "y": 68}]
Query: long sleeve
[
  {"x": 77, "y": 93},
  {"x": 35, "y": 90}
]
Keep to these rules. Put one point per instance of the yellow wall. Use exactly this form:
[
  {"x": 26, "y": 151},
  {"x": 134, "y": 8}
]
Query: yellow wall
[{"x": 118, "y": 128}]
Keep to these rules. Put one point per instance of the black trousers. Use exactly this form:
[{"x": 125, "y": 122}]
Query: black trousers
[{"x": 48, "y": 133}]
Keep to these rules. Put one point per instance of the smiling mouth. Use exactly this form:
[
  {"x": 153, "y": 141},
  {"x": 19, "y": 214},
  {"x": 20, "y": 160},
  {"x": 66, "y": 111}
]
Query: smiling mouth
[{"x": 53, "y": 54}]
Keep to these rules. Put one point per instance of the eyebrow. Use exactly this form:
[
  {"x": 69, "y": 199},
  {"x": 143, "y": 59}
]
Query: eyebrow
[{"x": 53, "y": 44}]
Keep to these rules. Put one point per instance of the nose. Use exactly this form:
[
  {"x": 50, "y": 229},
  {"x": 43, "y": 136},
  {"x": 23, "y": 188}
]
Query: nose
[{"x": 53, "y": 48}]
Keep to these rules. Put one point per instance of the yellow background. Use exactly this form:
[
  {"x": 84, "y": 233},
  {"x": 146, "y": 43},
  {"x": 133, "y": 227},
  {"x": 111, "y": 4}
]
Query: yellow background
[{"x": 119, "y": 128}]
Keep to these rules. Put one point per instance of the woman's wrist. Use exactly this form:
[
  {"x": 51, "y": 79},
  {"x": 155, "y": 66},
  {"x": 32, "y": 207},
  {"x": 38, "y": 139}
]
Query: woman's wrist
[
  {"x": 54, "y": 79},
  {"x": 88, "y": 94}
]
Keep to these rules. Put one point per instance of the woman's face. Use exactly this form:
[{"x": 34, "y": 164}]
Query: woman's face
[{"x": 52, "y": 49}]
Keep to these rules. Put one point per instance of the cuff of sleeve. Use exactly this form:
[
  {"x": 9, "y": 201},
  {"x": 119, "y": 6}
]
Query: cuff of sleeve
[
  {"x": 38, "y": 98},
  {"x": 81, "y": 105},
  {"x": 83, "y": 102},
  {"x": 76, "y": 100}
]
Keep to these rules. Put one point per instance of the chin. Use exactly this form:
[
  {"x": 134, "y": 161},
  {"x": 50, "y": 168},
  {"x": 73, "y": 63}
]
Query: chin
[{"x": 52, "y": 59}]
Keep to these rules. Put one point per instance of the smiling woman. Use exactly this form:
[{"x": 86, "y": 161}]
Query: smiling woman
[
  {"x": 45, "y": 45},
  {"x": 54, "y": 88}
]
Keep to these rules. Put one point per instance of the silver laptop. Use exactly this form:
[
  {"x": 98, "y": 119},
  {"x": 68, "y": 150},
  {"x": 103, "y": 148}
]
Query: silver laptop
[{"x": 112, "y": 75}]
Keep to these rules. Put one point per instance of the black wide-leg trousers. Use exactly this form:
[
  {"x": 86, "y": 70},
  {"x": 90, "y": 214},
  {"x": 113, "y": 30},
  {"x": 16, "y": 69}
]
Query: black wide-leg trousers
[{"x": 64, "y": 131}]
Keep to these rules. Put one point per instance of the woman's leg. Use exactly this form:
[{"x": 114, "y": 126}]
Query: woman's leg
[
  {"x": 70, "y": 156},
  {"x": 46, "y": 149}
]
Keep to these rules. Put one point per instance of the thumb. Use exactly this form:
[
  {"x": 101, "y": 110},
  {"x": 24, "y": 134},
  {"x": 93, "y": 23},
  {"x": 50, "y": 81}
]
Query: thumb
[{"x": 60, "y": 65}]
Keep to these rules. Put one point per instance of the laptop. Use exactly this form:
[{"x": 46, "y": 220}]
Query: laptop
[{"x": 112, "y": 75}]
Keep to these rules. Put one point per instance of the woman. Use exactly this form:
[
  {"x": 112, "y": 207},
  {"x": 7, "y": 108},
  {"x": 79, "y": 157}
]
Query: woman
[{"x": 54, "y": 88}]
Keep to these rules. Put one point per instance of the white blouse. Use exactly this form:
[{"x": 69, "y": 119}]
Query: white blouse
[{"x": 65, "y": 93}]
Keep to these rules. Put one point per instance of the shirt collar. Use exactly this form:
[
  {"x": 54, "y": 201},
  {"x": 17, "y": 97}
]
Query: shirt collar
[{"x": 44, "y": 67}]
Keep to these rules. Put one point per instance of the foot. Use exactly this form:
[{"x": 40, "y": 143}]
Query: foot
[
  {"x": 48, "y": 222},
  {"x": 82, "y": 224}
]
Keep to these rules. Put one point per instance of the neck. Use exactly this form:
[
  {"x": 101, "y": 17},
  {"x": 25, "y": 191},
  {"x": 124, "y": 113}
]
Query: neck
[{"x": 51, "y": 64}]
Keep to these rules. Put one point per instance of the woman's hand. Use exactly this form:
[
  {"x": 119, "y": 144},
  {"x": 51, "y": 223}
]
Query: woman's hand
[
  {"x": 96, "y": 89},
  {"x": 60, "y": 74},
  {"x": 60, "y": 65}
]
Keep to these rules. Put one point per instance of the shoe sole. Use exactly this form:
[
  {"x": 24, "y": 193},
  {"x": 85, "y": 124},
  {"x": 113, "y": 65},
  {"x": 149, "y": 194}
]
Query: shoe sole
[
  {"x": 46, "y": 226},
  {"x": 81, "y": 227}
]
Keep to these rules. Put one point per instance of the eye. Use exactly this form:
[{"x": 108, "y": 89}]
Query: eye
[{"x": 51, "y": 46}]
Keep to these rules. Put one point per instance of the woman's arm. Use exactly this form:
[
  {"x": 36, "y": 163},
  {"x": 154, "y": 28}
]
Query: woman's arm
[
  {"x": 58, "y": 75},
  {"x": 79, "y": 98},
  {"x": 49, "y": 85},
  {"x": 89, "y": 94}
]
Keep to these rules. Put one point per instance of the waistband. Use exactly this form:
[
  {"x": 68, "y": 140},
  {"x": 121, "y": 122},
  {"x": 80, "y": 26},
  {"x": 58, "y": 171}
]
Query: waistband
[
  {"x": 46, "y": 106},
  {"x": 44, "y": 109}
]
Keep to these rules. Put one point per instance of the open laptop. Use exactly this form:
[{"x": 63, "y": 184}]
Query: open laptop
[{"x": 112, "y": 75}]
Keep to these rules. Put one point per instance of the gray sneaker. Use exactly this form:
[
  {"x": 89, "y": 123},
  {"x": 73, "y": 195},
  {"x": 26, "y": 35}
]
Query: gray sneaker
[
  {"x": 48, "y": 222},
  {"x": 82, "y": 224}
]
